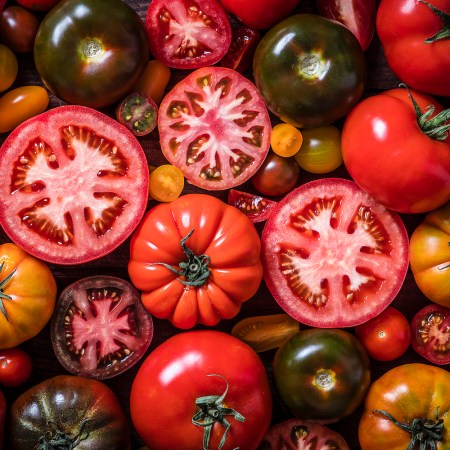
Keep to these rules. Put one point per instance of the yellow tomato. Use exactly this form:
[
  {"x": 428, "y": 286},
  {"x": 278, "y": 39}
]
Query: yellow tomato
[
  {"x": 166, "y": 183},
  {"x": 8, "y": 67},
  {"x": 285, "y": 139}
]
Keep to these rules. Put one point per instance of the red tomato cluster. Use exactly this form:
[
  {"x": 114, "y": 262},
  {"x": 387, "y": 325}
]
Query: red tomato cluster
[{"x": 213, "y": 206}]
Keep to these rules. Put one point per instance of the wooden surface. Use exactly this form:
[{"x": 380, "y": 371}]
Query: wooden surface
[{"x": 409, "y": 300}]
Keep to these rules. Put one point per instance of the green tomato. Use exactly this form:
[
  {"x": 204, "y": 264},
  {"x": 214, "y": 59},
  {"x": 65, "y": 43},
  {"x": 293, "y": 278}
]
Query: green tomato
[
  {"x": 91, "y": 52},
  {"x": 310, "y": 70},
  {"x": 321, "y": 150},
  {"x": 8, "y": 67}
]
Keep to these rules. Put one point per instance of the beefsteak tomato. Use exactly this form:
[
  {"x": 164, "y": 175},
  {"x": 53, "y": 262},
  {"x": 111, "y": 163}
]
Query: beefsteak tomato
[
  {"x": 75, "y": 185},
  {"x": 406, "y": 142},
  {"x": 214, "y": 126},
  {"x": 415, "y": 39},
  {"x": 429, "y": 255},
  {"x": 201, "y": 390},
  {"x": 196, "y": 260},
  {"x": 87, "y": 60},
  {"x": 27, "y": 295},
  {"x": 333, "y": 256},
  {"x": 407, "y": 407},
  {"x": 68, "y": 412}
]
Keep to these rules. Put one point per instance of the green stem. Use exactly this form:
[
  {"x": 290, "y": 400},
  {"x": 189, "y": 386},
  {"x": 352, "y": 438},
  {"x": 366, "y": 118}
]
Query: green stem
[
  {"x": 57, "y": 440},
  {"x": 444, "y": 33},
  {"x": 4, "y": 296}
]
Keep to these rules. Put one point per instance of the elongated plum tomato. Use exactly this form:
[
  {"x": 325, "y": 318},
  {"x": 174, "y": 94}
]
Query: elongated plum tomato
[
  {"x": 333, "y": 256},
  {"x": 100, "y": 327},
  {"x": 187, "y": 34},
  {"x": 255, "y": 207},
  {"x": 75, "y": 185},
  {"x": 214, "y": 126}
]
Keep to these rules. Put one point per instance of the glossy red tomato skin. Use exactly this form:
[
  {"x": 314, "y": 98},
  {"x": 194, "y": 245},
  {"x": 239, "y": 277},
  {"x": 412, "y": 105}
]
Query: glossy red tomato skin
[
  {"x": 38, "y": 5},
  {"x": 173, "y": 25},
  {"x": 16, "y": 367},
  {"x": 409, "y": 172},
  {"x": 385, "y": 337},
  {"x": 18, "y": 28},
  {"x": 403, "y": 28},
  {"x": 56, "y": 137},
  {"x": 260, "y": 14},
  {"x": 177, "y": 373}
]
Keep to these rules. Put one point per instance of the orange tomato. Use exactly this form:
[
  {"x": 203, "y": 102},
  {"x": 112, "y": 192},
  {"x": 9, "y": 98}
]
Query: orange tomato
[
  {"x": 153, "y": 80},
  {"x": 8, "y": 67}
]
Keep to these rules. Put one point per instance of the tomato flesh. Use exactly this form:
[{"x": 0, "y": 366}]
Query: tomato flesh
[
  {"x": 333, "y": 256},
  {"x": 255, "y": 207}
]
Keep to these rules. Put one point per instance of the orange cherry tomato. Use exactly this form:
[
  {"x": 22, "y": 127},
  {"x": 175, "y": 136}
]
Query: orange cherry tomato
[
  {"x": 21, "y": 104},
  {"x": 153, "y": 80},
  {"x": 166, "y": 183},
  {"x": 8, "y": 67},
  {"x": 285, "y": 139}
]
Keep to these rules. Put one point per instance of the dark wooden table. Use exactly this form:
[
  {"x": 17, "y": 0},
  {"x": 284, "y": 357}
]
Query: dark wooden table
[{"x": 409, "y": 300}]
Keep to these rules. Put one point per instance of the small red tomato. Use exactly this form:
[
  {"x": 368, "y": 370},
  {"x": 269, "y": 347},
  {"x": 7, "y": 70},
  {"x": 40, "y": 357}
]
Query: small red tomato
[
  {"x": 15, "y": 367},
  {"x": 38, "y": 5},
  {"x": 387, "y": 336}
]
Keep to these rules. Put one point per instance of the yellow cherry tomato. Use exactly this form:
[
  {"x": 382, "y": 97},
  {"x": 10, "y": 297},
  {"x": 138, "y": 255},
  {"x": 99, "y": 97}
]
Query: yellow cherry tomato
[
  {"x": 8, "y": 67},
  {"x": 20, "y": 104},
  {"x": 321, "y": 150},
  {"x": 153, "y": 80},
  {"x": 285, "y": 139},
  {"x": 166, "y": 183}
]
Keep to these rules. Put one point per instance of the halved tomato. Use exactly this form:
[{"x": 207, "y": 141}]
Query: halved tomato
[
  {"x": 187, "y": 34},
  {"x": 255, "y": 207},
  {"x": 74, "y": 185},
  {"x": 215, "y": 127},
  {"x": 333, "y": 256}
]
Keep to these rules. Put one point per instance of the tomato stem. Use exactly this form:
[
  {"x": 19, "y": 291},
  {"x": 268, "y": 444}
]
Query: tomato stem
[
  {"x": 424, "y": 432},
  {"x": 4, "y": 296},
  {"x": 444, "y": 33},
  {"x": 210, "y": 411},
  {"x": 61, "y": 441},
  {"x": 434, "y": 127}
]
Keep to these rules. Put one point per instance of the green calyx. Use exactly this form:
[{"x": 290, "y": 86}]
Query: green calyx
[
  {"x": 434, "y": 127},
  {"x": 57, "y": 440},
  {"x": 444, "y": 33},
  {"x": 4, "y": 296}
]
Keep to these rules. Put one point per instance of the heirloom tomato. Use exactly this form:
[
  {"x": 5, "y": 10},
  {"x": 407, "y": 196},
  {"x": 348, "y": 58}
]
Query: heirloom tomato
[
  {"x": 255, "y": 207},
  {"x": 408, "y": 148},
  {"x": 99, "y": 48},
  {"x": 68, "y": 412},
  {"x": 310, "y": 70},
  {"x": 75, "y": 185},
  {"x": 332, "y": 255},
  {"x": 100, "y": 327},
  {"x": 407, "y": 407},
  {"x": 9, "y": 67},
  {"x": 321, "y": 374},
  {"x": 261, "y": 14},
  {"x": 201, "y": 389},
  {"x": 415, "y": 37},
  {"x": 214, "y": 126},
  {"x": 27, "y": 295},
  {"x": 18, "y": 28},
  {"x": 196, "y": 260},
  {"x": 16, "y": 367},
  {"x": 187, "y": 34},
  {"x": 429, "y": 255}
]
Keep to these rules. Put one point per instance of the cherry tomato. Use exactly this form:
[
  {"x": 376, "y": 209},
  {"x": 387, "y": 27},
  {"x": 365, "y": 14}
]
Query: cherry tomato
[
  {"x": 38, "y": 5},
  {"x": 20, "y": 104},
  {"x": 153, "y": 81},
  {"x": 138, "y": 112},
  {"x": 166, "y": 183},
  {"x": 321, "y": 150},
  {"x": 387, "y": 336},
  {"x": 8, "y": 67},
  {"x": 276, "y": 176},
  {"x": 16, "y": 367},
  {"x": 285, "y": 139},
  {"x": 18, "y": 28}
]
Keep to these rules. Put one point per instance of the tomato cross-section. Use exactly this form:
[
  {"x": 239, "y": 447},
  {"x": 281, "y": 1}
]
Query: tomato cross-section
[{"x": 332, "y": 255}]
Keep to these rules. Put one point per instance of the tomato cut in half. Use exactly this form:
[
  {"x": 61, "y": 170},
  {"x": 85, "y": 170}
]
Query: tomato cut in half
[
  {"x": 333, "y": 256},
  {"x": 100, "y": 327},
  {"x": 255, "y": 207},
  {"x": 74, "y": 185},
  {"x": 214, "y": 126},
  {"x": 187, "y": 34},
  {"x": 430, "y": 333}
]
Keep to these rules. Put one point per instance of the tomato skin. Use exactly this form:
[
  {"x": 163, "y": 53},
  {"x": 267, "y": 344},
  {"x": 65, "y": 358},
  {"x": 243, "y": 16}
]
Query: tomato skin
[
  {"x": 409, "y": 172},
  {"x": 38, "y": 5},
  {"x": 18, "y": 28},
  {"x": 166, "y": 183},
  {"x": 32, "y": 289},
  {"x": 197, "y": 355},
  {"x": 385, "y": 337},
  {"x": 403, "y": 28},
  {"x": 73, "y": 406},
  {"x": 8, "y": 68},
  {"x": 16, "y": 367},
  {"x": 235, "y": 272},
  {"x": 260, "y": 14},
  {"x": 429, "y": 255},
  {"x": 20, "y": 104},
  {"x": 153, "y": 80},
  {"x": 310, "y": 70},
  {"x": 321, "y": 375},
  {"x": 97, "y": 62},
  {"x": 407, "y": 392}
]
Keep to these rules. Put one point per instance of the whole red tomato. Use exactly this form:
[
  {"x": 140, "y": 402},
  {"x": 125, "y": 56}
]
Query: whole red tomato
[
  {"x": 201, "y": 387},
  {"x": 15, "y": 367},
  {"x": 260, "y": 14},
  {"x": 409, "y": 169},
  {"x": 414, "y": 35}
]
